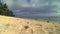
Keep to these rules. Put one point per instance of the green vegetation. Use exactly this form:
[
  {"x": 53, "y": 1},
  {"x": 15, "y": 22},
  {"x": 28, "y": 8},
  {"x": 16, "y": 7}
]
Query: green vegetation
[{"x": 4, "y": 10}]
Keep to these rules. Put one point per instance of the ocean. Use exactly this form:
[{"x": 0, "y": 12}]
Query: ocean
[{"x": 36, "y": 14}]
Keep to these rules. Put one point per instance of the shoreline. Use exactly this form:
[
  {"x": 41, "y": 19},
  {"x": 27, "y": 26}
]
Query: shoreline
[
  {"x": 34, "y": 19},
  {"x": 41, "y": 20}
]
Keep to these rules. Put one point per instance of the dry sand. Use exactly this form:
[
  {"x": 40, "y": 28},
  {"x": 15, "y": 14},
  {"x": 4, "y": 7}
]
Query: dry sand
[{"x": 12, "y": 25}]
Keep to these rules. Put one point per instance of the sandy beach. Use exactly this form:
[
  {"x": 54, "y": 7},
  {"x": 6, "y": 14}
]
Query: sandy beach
[{"x": 13, "y": 25}]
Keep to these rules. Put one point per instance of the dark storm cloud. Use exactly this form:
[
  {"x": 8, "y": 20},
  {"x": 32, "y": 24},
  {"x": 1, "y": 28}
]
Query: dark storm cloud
[{"x": 44, "y": 7}]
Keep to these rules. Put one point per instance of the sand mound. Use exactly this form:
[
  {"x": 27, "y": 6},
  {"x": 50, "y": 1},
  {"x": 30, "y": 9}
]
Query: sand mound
[{"x": 12, "y": 25}]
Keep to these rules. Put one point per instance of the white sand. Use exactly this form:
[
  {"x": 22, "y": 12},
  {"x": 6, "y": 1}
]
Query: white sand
[{"x": 12, "y": 25}]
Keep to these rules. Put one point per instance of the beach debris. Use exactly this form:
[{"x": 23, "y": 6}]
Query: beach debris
[{"x": 26, "y": 27}]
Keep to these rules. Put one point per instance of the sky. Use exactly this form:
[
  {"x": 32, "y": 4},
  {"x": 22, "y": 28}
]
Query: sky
[
  {"x": 55, "y": 4},
  {"x": 27, "y": 3}
]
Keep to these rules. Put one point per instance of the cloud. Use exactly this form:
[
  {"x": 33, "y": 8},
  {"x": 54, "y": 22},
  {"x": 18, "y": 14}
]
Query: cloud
[
  {"x": 27, "y": 3},
  {"x": 55, "y": 4},
  {"x": 8, "y": 2}
]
